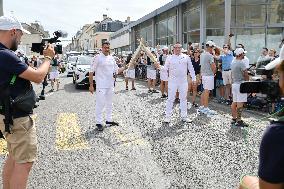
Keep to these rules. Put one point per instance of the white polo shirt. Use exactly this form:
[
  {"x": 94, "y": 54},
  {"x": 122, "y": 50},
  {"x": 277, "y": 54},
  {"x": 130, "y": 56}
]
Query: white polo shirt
[
  {"x": 104, "y": 67},
  {"x": 178, "y": 65}
]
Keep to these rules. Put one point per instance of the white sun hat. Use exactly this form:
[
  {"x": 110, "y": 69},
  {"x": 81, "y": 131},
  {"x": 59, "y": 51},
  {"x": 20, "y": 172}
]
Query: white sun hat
[{"x": 240, "y": 51}]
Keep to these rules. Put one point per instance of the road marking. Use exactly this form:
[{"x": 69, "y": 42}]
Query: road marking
[
  {"x": 3, "y": 147},
  {"x": 68, "y": 133},
  {"x": 3, "y": 143},
  {"x": 34, "y": 117},
  {"x": 128, "y": 139}
]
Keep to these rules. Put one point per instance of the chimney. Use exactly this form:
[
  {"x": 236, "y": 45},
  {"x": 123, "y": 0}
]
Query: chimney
[
  {"x": 104, "y": 16},
  {"x": 128, "y": 19}
]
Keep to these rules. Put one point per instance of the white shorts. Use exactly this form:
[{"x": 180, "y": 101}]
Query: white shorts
[
  {"x": 208, "y": 82},
  {"x": 227, "y": 77},
  {"x": 237, "y": 96},
  {"x": 164, "y": 76},
  {"x": 151, "y": 74},
  {"x": 54, "y": 75},
  {"x": 130, "y": 74}
]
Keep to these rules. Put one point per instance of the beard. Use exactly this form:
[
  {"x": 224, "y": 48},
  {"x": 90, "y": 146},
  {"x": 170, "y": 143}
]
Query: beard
[{"x": 14, "y": 45}]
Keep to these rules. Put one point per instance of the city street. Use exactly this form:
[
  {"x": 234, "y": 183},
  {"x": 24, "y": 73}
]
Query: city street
[{"x": 142, "y": 152}]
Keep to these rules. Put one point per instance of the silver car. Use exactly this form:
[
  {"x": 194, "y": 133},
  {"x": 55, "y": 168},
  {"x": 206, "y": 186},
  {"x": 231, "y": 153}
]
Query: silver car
[
  {"x": 81, "y": 71},
  {"x": 70, "y": 65}
]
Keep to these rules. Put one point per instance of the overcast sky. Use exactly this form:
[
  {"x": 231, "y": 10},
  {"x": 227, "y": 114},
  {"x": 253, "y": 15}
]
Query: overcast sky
[{"x": 71, "y": 15}]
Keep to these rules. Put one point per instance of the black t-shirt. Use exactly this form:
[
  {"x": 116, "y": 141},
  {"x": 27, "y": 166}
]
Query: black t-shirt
[
  {"x": 35, "y": 63},
  {"x": 11, "y": 65},
  {"x": 161, "y": 60},
  {"x": 149, "y": 61},
  {"x": 196, "y": 65},
  {"x": 271, "y": 155}
]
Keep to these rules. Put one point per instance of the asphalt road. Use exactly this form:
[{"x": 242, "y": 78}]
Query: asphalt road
[{"x": 142, "y": 152}]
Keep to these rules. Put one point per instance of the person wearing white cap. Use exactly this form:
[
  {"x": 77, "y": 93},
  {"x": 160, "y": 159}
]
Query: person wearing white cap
[
  {"x": 163, "y": 72},
  {"x": 16, "y": 77},
  {"x": 271, "y": 151},
  {"x": 208, "y": 69},
  {"x": 178, "y": 65},
  {"x": 239, "y": 75}
]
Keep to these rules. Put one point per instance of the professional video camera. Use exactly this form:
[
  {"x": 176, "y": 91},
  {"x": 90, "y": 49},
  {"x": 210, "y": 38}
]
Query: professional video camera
[
  {"x": 266, "y": 86},
  {"x": 39, "y": 47}
]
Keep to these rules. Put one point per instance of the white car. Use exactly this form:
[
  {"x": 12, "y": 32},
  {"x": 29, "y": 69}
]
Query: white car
[
  {"x": 70, "y": 65},
  {"x": 81, "y": 71}
]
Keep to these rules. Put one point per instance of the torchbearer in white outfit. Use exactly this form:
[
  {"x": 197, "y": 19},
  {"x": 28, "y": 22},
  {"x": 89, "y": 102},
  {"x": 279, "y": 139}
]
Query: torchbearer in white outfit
[
  {"x": 177, "y": 65},
  {"x": 104, "y": 68}
]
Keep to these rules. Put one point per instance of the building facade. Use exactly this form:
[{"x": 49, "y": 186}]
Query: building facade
[
  {"x": 91, "y": 36},
  {"x": 254, "y": 23},
  {"x": 120, "y": 41},
  {"x": 36, "y": 36}
]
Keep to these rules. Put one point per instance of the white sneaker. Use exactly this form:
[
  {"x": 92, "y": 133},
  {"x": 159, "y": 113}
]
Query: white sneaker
[
  {"x": 201, "y": 110},
  {"x": 209, "y": 112},
  {"x": 167, "y": 120},
  {"x": 186, "y": 120},
  {"x": 189, "y": 105}
]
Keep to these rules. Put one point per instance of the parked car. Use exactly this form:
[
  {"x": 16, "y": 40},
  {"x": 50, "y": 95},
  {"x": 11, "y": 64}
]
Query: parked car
[
  {"x": 81, "y": 71},
  {"x": 71, "y": 61}
]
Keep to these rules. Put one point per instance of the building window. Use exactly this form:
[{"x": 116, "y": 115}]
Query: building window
[
  {"x": 253, "y": 39},
  {"x": 215, "y": 13},
  {"x": 166, "y": 31},
  {"x": 276, "y": 12},
  {"x": 248, "y": 14},
  {"x": 191, "y": 22},
  {"x": 273, "y": 38},
  {"x": 104, "y": 27},
  {"x": 215, "y": 35},
  {"x": 146, "y": 34}
]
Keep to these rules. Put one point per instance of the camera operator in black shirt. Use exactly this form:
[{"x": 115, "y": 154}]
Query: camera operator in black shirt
[
  {"x": 271, "y": 153},
  {"x": 16, "y": 123}
]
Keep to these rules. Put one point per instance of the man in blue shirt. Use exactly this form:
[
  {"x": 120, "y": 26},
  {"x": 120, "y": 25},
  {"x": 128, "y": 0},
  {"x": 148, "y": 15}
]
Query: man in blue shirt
[
  {"x": 22, "y": 140},
  {"x": 226, "y": 60}
]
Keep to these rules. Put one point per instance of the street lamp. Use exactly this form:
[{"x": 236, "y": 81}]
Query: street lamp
[{"x": 1, "y": 8}]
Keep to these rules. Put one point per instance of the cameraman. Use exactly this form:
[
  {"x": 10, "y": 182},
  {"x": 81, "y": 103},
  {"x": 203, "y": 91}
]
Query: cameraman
[
  {"x": 271, "y": 156},
  {"x": 22, "y": 142}
]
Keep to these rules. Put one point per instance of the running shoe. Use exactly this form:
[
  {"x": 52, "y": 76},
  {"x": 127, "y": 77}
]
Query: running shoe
[
  {"x": 195, "y": 105},
  {"x": 241, "y": 124},
  {"x": 111, "y": 123},
  {"x": 154, "y": 91},
  {"x": 234, "y": 121},
  {"x": 100, "y": 127},
  {"x": 167, "y": 120},
  {"x": 209, "y": 112},
  {"x": 189, "y": 105},
  {"x": 164, "y": 96},
  {"x": 186, "y": 120}
]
